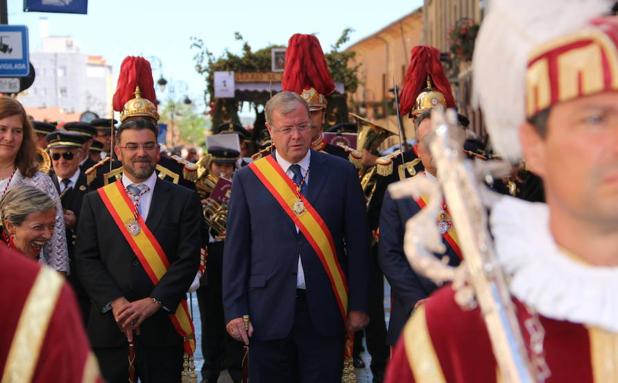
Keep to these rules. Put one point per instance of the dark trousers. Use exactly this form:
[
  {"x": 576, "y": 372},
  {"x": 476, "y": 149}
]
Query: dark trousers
[
  {"x": 375, "y": 332},
  {"x": 304, "y": 356},
  {"x": 153, "y": 364},
  {"x": 220, "y": 350}
]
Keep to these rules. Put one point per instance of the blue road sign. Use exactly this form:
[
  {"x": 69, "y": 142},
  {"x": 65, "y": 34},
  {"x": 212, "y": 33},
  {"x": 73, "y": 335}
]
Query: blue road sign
[
  {"x": 58, "y": 6},
  {"x": 14, "y": 53}
]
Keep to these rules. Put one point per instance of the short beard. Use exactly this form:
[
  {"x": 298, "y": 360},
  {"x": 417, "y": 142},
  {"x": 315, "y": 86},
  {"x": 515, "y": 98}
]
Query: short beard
[{"x": 141, "y": 174}]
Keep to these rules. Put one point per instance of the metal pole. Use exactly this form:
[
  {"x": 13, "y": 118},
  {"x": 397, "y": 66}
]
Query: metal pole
[{"x": 4, "y": 14}]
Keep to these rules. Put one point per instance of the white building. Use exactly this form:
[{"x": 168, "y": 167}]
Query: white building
[{"x": 67, "y": 79}]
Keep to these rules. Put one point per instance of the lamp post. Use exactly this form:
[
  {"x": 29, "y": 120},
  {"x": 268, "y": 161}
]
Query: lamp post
[{"x": 171, "y": 89}]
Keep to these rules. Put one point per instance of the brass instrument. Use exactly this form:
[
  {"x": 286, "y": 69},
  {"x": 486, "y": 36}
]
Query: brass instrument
[
  {"x": 370, "y": 137},
  {"x": 44, "y": 161},
  {"x": 214, "y": 212}
]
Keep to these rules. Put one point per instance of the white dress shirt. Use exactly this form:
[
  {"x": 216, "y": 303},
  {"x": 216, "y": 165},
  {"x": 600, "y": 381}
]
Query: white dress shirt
[
  {"x": 72, "y": 181},
  {"x": 144, "y": 201},
  {"x": 304, "y": 169}
]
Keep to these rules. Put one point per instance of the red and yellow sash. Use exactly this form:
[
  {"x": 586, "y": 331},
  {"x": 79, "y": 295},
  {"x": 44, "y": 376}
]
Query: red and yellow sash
[
  {"x": 148, "y": 250},
  {"x": 308, "y": 222},
  {"x": 450, "y": 236}
]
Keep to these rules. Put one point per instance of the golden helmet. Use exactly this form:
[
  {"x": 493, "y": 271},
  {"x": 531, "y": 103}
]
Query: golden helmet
[
  {"x": 139, "y": 107},
  {"x": 315, "y": 100},
  {"x": 428, "y": 99}
]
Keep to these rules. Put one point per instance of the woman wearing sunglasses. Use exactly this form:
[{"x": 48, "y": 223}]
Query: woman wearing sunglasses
[{"x": 18, "y": 166}]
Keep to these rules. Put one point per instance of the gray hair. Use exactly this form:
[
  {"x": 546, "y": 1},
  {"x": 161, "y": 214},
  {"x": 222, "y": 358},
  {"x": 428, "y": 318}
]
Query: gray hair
[
  {"x": 283, "y": 102},
  {"x": 21, "y": 201}
]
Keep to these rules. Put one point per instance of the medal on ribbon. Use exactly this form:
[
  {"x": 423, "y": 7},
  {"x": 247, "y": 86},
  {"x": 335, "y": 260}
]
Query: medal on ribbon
[{"x": 298, "y": 207}]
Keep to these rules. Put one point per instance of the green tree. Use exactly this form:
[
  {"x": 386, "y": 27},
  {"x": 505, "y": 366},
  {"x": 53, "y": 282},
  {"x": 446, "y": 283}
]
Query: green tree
[{"x": 188, "y": 126}]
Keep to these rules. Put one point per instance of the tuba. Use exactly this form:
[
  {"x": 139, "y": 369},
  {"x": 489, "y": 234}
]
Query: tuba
[{"x": 44, "y": 161}]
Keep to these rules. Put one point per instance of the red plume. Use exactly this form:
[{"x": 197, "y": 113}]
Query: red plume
[
  {"x": 424, "y": 61},
  {"x": 306, "y": 67},
  {"x": 134, "y": 71}
]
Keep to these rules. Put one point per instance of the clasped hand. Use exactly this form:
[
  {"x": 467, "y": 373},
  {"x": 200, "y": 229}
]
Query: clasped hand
[{"x": 130, "y": 315}]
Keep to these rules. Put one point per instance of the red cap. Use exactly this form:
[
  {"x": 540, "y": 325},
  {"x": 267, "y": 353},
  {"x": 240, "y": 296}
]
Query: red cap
[{"x": 134, "y": 72}]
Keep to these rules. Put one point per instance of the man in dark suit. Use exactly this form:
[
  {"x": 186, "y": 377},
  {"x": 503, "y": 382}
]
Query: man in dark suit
[
  {"x": 408, "y": 288},
  {"x": 65, "y": 150},
  {"x": 295, "y": 269},
  {"x": 134, "y": 299}
]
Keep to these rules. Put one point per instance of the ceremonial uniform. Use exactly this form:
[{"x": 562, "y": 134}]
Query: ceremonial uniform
[
  {"x": 41, "y": 336},
  {"x": 556, "y": 285},
  {"x": 219, "y": 349},
  {"x": 445, "y": 343}
]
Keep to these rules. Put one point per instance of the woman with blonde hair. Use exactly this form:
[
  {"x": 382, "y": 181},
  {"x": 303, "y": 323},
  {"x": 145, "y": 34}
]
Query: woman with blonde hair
[
  {"x": 28, "y": 218},
  {"x": 18, "y": 166}
]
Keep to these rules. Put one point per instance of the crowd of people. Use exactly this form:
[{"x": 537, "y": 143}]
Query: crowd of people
[{"x": 104, "y": 233}]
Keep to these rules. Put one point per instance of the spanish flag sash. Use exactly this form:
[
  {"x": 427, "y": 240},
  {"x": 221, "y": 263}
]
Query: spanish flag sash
[
  {"x": 446, "y": 227},
  {"x": 308, "y": 221},
  {"x": 147, "y": 250}
]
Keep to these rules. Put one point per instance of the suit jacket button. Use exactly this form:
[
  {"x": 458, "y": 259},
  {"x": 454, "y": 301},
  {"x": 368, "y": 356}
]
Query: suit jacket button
[{"x": 135, "y": 262}]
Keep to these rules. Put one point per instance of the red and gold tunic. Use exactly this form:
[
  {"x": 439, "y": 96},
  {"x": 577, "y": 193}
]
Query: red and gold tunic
[
  {"x": 41, "y": 336},
  {"x": 443, "y": 343}
]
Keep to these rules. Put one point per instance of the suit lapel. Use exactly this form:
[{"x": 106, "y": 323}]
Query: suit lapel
[
  {"x": 160, "y": 197},
  {"x": 318, "y": 175}
]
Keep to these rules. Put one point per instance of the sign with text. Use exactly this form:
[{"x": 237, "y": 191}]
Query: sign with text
[
  {"x": 9, "y": 85},
  {"x": 57, "y": 6},
  {"x": 14, "y": 53},
  {"x": 224, "y": 84}
]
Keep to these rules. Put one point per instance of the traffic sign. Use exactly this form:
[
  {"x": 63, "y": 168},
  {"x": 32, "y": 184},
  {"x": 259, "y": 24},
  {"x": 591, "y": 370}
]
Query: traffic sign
[
  {"x": 14, "y": 53},
  {"x": 9, "y": 85}
]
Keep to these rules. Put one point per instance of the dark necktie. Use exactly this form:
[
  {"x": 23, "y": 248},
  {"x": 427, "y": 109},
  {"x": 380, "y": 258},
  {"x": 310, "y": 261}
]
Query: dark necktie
[
  {"x": 298, "y": 177},
  {"x": 66, "y": 182}
]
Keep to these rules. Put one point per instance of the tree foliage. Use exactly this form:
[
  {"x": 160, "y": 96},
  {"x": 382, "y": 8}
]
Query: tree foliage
[
  {"x": 189, "y": 126},
  {"x": 259, "y": 60}
]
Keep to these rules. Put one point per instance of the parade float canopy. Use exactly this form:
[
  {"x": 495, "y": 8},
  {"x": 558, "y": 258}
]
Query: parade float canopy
[{"x": 257, "y": 86}]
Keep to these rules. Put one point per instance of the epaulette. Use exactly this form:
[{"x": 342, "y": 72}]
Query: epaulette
[
  {"x": 163, "y": 172},
  {"x": 91, "y": 172},
  {"x": 263, "y": 153},
  {"x": 189, "y": 169},
  {"x": 410, "y": 167},
  {"x": 112, "y": 176},
  {"x": 384, "y": 164}
]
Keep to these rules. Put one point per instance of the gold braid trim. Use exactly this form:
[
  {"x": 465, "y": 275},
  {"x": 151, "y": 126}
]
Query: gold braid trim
[
  {"x": 32, "y": 327},
  {"x": 421, "y": 355},
  {"x": 91, "y": 369}
]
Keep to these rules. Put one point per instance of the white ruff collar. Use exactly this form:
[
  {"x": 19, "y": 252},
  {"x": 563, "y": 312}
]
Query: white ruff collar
[{"x": 542, "y": 276}]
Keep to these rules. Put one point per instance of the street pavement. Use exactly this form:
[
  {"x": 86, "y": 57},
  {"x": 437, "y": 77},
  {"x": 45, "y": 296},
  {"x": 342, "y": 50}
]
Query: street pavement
[{"x": 363, "y": 375}]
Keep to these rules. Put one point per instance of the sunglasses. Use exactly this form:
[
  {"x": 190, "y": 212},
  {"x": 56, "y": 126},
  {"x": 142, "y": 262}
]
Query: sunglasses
[{"x": 66, "y": 155}]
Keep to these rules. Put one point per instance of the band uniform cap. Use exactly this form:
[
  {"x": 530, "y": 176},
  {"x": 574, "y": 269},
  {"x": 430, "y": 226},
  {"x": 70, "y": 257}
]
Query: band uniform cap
[
  {"x": 96, "y": 146},
  {"x": 82, "y": 128},
  {"x": 44, "y": 128},
  {"x": 65, "y": 139},
  {"x": 230, "y": 127},
  {"x": 223, "y": 155},
  {"x": 104, "y": 124}
]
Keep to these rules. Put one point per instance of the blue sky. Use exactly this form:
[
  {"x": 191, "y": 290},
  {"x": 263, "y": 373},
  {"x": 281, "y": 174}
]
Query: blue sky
[{"x": 117, "y": 28}]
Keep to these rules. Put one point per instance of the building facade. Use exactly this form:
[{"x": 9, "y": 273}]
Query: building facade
[
  {"x": 383, "y": 58},
  {"x": 68, "y": 80}
]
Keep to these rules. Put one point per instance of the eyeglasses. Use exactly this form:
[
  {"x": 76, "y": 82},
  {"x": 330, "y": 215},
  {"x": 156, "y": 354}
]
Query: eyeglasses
[
  {"x": 132, "y": 147},
  {"x": 66, "y": 155},
  {"x": 289, "y": 129}
]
